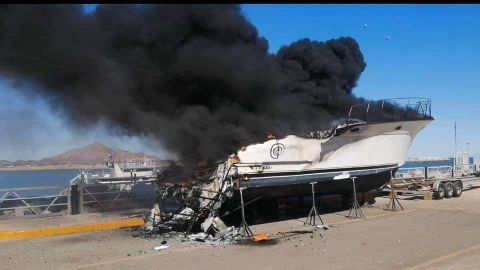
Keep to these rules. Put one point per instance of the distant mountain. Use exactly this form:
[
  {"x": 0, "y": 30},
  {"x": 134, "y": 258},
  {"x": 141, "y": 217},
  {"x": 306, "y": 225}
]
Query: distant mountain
[
  {"x": 5, "y": 163},
  {"x": 95, "y": 153},
  {"x": 92, "y": 154}
]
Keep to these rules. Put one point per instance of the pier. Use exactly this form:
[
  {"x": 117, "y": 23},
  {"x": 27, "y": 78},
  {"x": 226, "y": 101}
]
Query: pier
[
  {"x": 106, "y": 239},
  {"x": 427, "y": 235}
]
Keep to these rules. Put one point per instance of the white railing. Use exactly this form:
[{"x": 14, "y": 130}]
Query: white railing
[
  {"x": 74, "y": 198},
  {"x": 109, "y": 196},
  {"x": 24, "y": 201}
]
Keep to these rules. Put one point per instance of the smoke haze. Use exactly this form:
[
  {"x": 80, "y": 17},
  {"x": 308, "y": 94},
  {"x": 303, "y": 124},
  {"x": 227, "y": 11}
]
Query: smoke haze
[{"x": 198, "y": 78}]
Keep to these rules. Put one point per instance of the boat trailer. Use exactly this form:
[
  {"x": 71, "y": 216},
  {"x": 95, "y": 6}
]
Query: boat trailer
[{"x": 432, "y": 188}]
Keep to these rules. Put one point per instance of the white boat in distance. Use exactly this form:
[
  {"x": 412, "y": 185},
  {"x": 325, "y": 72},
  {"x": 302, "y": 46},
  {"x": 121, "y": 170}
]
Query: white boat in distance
[
  {"x": 127, "y": 171},
  {"x": 371, "y": 145}
]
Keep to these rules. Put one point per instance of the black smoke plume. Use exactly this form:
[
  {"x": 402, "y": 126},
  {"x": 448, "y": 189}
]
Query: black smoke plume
[{"x": 197, "y": 77}]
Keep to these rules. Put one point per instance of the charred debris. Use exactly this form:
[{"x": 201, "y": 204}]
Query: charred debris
[
  {"x": 190, "y": 206},
  {"x": 190, "y": 201}
]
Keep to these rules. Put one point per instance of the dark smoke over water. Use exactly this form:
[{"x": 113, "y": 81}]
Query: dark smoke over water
[{"x": 199, "y": 78}]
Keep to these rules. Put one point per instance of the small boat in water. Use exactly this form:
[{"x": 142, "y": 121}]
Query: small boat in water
[{"x": 130, "y": 170}]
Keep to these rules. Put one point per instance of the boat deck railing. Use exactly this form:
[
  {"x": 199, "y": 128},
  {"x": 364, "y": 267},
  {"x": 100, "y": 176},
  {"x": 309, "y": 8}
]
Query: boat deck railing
[
  {"x": 395, "y": 109},
  {"x": 140, "y": 163}
]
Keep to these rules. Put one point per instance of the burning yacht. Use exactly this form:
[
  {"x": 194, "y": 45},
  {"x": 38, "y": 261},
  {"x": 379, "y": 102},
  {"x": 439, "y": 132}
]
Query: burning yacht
[{"x": 371, "y": 144}]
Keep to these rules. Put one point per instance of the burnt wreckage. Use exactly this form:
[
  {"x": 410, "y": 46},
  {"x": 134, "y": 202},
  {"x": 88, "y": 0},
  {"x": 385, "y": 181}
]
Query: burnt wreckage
[{"x": 370, "y": 145}]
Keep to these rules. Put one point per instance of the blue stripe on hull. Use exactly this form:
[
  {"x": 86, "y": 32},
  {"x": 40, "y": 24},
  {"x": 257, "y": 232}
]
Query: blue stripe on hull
[{"x": 285, "y": 180}]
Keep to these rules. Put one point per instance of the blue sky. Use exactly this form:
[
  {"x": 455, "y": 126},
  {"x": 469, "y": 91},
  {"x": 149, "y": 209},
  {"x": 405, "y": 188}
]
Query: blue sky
[{"x": 433, "y": 51}]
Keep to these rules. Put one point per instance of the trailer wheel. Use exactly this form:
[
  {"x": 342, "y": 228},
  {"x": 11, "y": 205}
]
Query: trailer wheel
[
  {"x": 448, "y": 190},
  {"x": 440, "y": 193},
  {"x": 457, "y": 189}
]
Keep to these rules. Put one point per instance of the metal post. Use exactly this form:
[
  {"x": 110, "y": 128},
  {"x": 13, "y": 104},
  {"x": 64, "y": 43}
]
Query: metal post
[
  {"x": 312, "y": 216},
  {"x": 406, "y": 109},
  {"x": 74, "y": 199},
  {"x": 366, "y": 113},
  {"x": 426, "y": 172},
  {"x": 356, "y": 206},
  {"x": 455, "y": 153},
  {"x": 383, "y": 102},
  {"x": 69, "y": 201},
  {"x": 393, "y": 113},
  {"x": 243, "y": 229},
  {"x": 80, "y": 197}
]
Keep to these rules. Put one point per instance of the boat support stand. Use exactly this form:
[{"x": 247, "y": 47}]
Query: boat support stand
[
  {"x": 355, "y": 206},
  {"x": 312, "y": 216},
  {"x": 392, "y": 204},
  {"x": 244, "y": 229}
]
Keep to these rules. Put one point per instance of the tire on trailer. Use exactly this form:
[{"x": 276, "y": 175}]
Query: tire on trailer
[
  {"x": 440, "y": 192},
  {"x": 448, "y": 190},
  {"x": 457, "y": 189}
]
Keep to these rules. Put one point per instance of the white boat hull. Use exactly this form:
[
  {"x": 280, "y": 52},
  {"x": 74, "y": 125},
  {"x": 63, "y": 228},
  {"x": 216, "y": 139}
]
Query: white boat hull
[{"x": 357, "y": 150}]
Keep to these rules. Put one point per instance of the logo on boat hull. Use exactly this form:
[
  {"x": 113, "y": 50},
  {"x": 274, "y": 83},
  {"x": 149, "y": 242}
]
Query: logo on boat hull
[{"x": 277, "y": 150}]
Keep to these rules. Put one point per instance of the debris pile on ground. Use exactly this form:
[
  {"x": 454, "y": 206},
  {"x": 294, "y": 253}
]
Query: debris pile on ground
[{"x": 198, "y": 200}]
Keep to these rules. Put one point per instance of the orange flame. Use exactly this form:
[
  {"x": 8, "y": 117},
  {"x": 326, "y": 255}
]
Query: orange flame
[
  {"x": 233, "y": 159},
  {"x": 202, "y": 163},
  {"x": 186, "y": 182},
  {"x": 270, "y": 136}
]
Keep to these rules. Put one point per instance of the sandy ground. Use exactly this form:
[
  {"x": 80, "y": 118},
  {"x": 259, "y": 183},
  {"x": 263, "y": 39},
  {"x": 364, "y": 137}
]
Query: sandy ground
[{"x": 427, "y": 235}]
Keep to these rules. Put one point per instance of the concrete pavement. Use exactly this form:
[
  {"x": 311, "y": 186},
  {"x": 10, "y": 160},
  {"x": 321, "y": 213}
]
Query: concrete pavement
[{"x": 428, "y": 235}]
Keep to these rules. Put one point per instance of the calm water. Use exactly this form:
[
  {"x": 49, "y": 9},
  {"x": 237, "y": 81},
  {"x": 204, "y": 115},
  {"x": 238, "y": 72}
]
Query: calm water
[
  {"x": 45, "y": 178},
  {"x": 36, "y": 178},
  {"x": 428, "y": 164}
]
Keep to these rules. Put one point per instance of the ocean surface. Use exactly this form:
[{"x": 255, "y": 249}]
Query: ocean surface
[
  {"x": 48, "y": 178},
  {"x": 62, "y": 177},
  {"x": 40, "y": 178},
  {"x": 428, "y": 164}
]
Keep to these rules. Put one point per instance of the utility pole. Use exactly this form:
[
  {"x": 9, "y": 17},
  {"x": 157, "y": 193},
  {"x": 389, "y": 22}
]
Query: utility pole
[
  {"x": 455, "y": 151},
  {"x": 455, "y": 127},
  {"x": 468, "y": 153}
]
